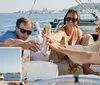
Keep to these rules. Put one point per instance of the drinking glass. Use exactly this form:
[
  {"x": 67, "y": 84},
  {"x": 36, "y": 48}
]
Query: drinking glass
[{"x": 38, "y": 39}]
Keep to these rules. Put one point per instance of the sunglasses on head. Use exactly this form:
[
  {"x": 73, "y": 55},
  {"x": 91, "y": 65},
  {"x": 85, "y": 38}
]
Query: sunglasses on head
[
  {"x": 25, "y": 31},
  {"x": 69, "y": 18}
]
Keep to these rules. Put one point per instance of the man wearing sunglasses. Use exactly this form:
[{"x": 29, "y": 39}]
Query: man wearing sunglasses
[{"x": 20, "y": 35}]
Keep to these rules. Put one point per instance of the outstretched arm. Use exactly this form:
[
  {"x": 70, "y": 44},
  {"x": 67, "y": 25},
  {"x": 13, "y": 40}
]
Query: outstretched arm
[
  {"x": 77, "y": 55},
  {"x": 82, "y": 56},
  {"x": 30, "y": 45},
  {"x": 4, "y": 45}
]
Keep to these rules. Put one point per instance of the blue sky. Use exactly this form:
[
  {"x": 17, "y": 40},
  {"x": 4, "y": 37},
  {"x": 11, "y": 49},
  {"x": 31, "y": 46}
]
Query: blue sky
[
  {"x": 15, "y": 5},
  {"x": 10, "y": 60}
]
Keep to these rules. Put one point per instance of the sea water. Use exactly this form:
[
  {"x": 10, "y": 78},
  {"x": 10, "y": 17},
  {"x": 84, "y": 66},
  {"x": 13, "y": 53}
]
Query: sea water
[
  {"x": 8, "y": 20},
  {"x": 12, "y": 76}
]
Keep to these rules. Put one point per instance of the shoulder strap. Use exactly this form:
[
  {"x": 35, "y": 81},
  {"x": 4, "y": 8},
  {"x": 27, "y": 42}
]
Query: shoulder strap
[{"x": 75, "y": 36}]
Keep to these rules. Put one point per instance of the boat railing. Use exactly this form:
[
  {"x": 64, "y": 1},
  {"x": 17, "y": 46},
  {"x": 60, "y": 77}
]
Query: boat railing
[{"x": 70, "y": 80}]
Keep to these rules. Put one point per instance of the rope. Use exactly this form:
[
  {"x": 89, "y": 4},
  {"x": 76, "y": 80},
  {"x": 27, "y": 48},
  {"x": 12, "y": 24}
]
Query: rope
[
  {"x": 31, "y": 9},
  {"x": 91, "y": 4},
  {"x": 85, "y": 7}
]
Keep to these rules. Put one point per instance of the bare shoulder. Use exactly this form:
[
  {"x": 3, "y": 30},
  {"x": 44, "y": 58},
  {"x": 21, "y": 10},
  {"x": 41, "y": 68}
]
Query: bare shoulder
[
  {"x": 79, "y": 31},
  {"x": 61, "y": 30}
]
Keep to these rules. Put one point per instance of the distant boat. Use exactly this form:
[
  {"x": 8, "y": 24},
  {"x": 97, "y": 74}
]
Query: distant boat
[{"x": 1, "y": 77}]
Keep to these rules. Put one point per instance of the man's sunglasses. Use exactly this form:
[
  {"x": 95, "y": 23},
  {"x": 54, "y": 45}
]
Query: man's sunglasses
[
  {"x": 69, "y": 18},
  {"x": 25, "y": 31}
]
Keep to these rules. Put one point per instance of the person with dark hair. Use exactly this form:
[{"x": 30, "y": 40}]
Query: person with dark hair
[
  {"x": 81, "y": 54},
  {"x": 69, "y": 34},
  {"x": 73, "y": 19}
]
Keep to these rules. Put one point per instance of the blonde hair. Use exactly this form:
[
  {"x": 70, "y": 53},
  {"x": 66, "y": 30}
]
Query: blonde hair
[{"x": 23, "y": 20}]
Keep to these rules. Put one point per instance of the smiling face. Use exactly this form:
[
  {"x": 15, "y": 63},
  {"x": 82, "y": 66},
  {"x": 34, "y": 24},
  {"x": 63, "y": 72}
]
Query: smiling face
[{"x": 71, "y": 20}]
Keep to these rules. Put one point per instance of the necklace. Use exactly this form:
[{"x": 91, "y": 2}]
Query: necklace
[{"x": 72, "y": 70}]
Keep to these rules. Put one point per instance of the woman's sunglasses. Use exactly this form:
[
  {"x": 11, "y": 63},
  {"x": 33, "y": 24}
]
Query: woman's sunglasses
[
  {"x": 25, "y": 31},
  {"x": 69, "y": 18}
]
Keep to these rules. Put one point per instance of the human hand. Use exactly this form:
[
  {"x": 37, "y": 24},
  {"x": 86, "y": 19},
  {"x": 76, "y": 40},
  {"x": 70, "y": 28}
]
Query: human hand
[
  {"x": 53, "y": 44},
  {"x": 97, "y": 73},
  {"x": 31, "y": 45},
  {"x": 34, "y": 46}
]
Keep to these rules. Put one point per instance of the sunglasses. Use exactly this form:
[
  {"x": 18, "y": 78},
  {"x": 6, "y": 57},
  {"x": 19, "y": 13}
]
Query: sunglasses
[
  {"x": 25, "y": 31},
  {"x": 69, "y": 18}
]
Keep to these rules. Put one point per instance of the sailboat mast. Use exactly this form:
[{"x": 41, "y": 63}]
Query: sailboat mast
[{"x": 31, "y": 8}]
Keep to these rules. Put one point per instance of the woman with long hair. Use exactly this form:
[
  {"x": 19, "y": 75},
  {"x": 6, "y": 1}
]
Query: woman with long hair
[{"x": 69, "y": 34}]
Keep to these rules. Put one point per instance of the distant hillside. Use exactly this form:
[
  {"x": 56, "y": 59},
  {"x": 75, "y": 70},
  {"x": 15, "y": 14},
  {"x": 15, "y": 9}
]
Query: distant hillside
[
  {"x": 94, "y": 7},
  {"x": 90, "y": 6}
]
